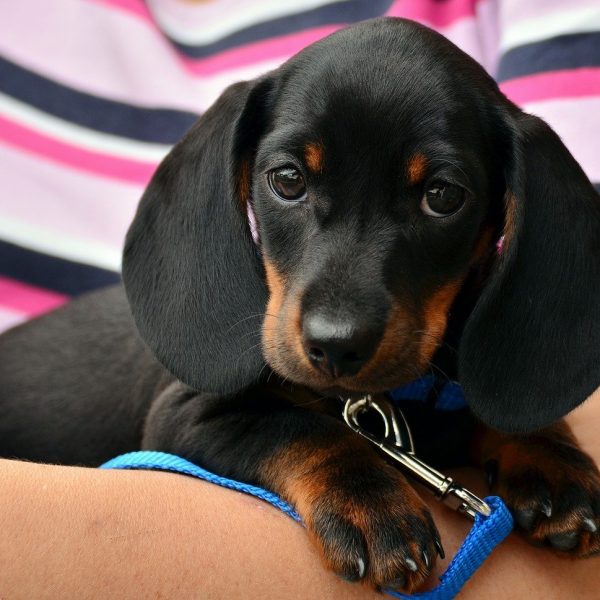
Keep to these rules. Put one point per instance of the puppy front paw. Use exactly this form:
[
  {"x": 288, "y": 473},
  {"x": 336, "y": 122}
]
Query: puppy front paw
[
  {"x": 553, "y": 490},
  {"x": 374, "y": 528}
]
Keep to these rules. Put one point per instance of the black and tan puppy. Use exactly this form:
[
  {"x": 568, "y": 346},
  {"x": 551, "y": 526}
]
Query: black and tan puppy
[{"x": 381, "y": 166}]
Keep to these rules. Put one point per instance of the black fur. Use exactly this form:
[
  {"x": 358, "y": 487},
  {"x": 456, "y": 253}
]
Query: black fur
[
  {"x": 539, "y": 316},
  {"x": 80, "y": 386},
  {"x": 189, "y": 265}
]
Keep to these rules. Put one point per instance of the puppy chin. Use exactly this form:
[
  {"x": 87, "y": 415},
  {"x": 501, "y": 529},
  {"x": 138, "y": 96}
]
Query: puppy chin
[{"x": 345, "y": 387}]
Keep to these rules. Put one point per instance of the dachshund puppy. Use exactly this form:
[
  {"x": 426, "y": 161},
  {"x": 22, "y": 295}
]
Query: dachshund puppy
[{"x": 331, "y": 229}]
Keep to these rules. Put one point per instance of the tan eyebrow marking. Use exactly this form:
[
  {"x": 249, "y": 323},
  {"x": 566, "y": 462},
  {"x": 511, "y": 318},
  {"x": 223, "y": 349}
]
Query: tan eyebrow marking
[
  {"x": 313, "y": 156},
  {"x": 416, "y": 168}
]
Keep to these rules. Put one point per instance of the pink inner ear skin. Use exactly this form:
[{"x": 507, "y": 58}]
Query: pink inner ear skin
[
  {"x": 500, "y": 245},
  {"x": 252, "y": 222}
]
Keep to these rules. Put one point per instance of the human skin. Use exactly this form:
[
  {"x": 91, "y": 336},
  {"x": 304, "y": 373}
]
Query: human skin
[{"x": 70, "y": 532}]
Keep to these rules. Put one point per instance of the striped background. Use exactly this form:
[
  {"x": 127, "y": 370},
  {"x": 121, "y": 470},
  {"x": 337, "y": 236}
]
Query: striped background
[{"x": 94, "y": 92}]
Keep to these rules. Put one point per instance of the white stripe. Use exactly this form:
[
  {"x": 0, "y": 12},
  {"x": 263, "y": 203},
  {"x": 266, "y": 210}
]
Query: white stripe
[
  {"x": 141, "y": 68},
  {"x": 69, "y": 202},
  {"x": 10, "y": 318},
  {"x": 464, "y": 33},
  {"x": 77, "y": 135},
  {"x": 543, "y": 27},
  {"x": 53, "y": 243},
  {"x": 212, "y": 87},
  {"x": 198, "y": 24},
  {"x": 577, "y": 121}
]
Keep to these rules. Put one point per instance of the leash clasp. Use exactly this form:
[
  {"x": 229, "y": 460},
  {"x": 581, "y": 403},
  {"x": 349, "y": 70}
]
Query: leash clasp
[{"x": 397, "y": 442}]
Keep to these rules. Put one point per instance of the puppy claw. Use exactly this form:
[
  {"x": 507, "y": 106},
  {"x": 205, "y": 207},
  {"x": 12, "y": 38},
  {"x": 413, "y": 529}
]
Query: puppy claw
[
  {"x": 354, "y": 574},
  {"x": 411, "y": 565},
  {"x": 438, "y": 546},
  {"x": 546, "y": 507},
  {"x": 362, "y": 569},
  {"x": 589, "y": 525},
  {"x": 390, "y": 543},
  {"x": 491, "y": 472},
  {"x": 551, "y": 489}
]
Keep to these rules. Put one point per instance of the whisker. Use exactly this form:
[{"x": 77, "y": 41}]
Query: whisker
[
  {"x": 249, "y": 333},
  {"x": 449, "y": 162},
  {"x": 265, "y": 365},
  {"x": 313, "y": 401},
  {"x": 441, "y": 371},
  {"x": 254, "y": 316}
]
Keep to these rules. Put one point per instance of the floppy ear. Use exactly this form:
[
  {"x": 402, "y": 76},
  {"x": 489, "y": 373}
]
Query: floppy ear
[
  {"x": 530, "y": 351},
  {"x": 190, "y": 269}
]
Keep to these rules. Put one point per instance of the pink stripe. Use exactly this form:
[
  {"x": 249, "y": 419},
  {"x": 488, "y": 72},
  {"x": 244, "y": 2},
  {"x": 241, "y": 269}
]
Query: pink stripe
[
  {"x": 435, "y": 13},
  {"x": 78, "y": 158},
  {"x": 573, "y": 83},
  {"x": 280, "y": 47},
  {"x": 134, "y": 7},
  {"x": 27, "y": 299},
  {"x": 432, "y": 12}
]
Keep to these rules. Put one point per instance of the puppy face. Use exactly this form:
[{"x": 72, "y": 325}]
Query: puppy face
[
  {"x": 372, "y": 191},
  {"x": 381, "y": 165}
]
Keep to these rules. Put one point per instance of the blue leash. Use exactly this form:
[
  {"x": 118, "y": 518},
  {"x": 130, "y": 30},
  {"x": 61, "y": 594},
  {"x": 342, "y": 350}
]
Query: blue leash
[{"x": 485, "y": 535}]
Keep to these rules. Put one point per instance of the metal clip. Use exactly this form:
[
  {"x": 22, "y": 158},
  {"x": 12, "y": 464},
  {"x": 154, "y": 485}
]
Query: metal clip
[{"x": 397, "y": 443}]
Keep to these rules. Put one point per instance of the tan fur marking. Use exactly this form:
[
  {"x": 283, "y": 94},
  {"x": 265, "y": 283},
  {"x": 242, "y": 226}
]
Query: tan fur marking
[
  {"x": 293, "y": 332},
  {"x": 276, "y": 296},
  {"x": 416, "y": 168},
  {"x": 313, "y": 156},
  {"x": 302, "y": 472},
  {"x": 396, "y": 329},
  {"x": 435, "y": 318},
  {"x": 307, "y": 473},
  {"x": 547, "y": 455},
  {"x": 282, "y": 333},
  {"x": 510, "y": 219}
]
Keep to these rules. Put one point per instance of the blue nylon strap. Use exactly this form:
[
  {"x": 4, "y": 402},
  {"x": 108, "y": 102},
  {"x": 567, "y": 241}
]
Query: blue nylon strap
[
  {"x": 161, "y": 461},
  {"x": 484, "y": 536}
]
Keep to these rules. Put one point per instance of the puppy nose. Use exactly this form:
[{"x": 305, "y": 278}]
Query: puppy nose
[{"x": 338, "y": 346}]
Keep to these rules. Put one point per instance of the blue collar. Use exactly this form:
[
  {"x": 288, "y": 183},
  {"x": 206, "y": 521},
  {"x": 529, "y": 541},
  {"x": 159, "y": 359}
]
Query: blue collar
[{"x": 439, "y": 393}]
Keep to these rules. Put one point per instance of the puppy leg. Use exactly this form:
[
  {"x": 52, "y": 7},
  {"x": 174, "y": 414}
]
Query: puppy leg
[
  {"x": 364, "y": 517},
  {"x": 551, "y": 486}
]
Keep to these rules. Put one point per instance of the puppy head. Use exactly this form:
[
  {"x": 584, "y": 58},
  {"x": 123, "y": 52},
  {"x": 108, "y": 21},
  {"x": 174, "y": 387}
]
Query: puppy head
[{"x": 380, "y": 165}]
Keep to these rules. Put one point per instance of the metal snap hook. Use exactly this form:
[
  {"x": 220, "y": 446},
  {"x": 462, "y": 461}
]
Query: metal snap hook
[{"x": 397, "y": 442}]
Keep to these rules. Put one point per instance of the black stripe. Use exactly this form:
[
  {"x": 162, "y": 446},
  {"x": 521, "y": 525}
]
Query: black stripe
[
  {"x": 350, "y": 11},
  {"x": 597, "y": 186},
  {"x": 158, "y": 125},
  {"x": 52, "y": 273},
  {"x": 564, "y": 52}
]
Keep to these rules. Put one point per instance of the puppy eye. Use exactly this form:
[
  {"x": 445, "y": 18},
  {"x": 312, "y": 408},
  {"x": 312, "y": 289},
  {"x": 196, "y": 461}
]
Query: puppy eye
[
  {"x": 287, "y": 183},
  {"x": 442, "y": 199}
]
